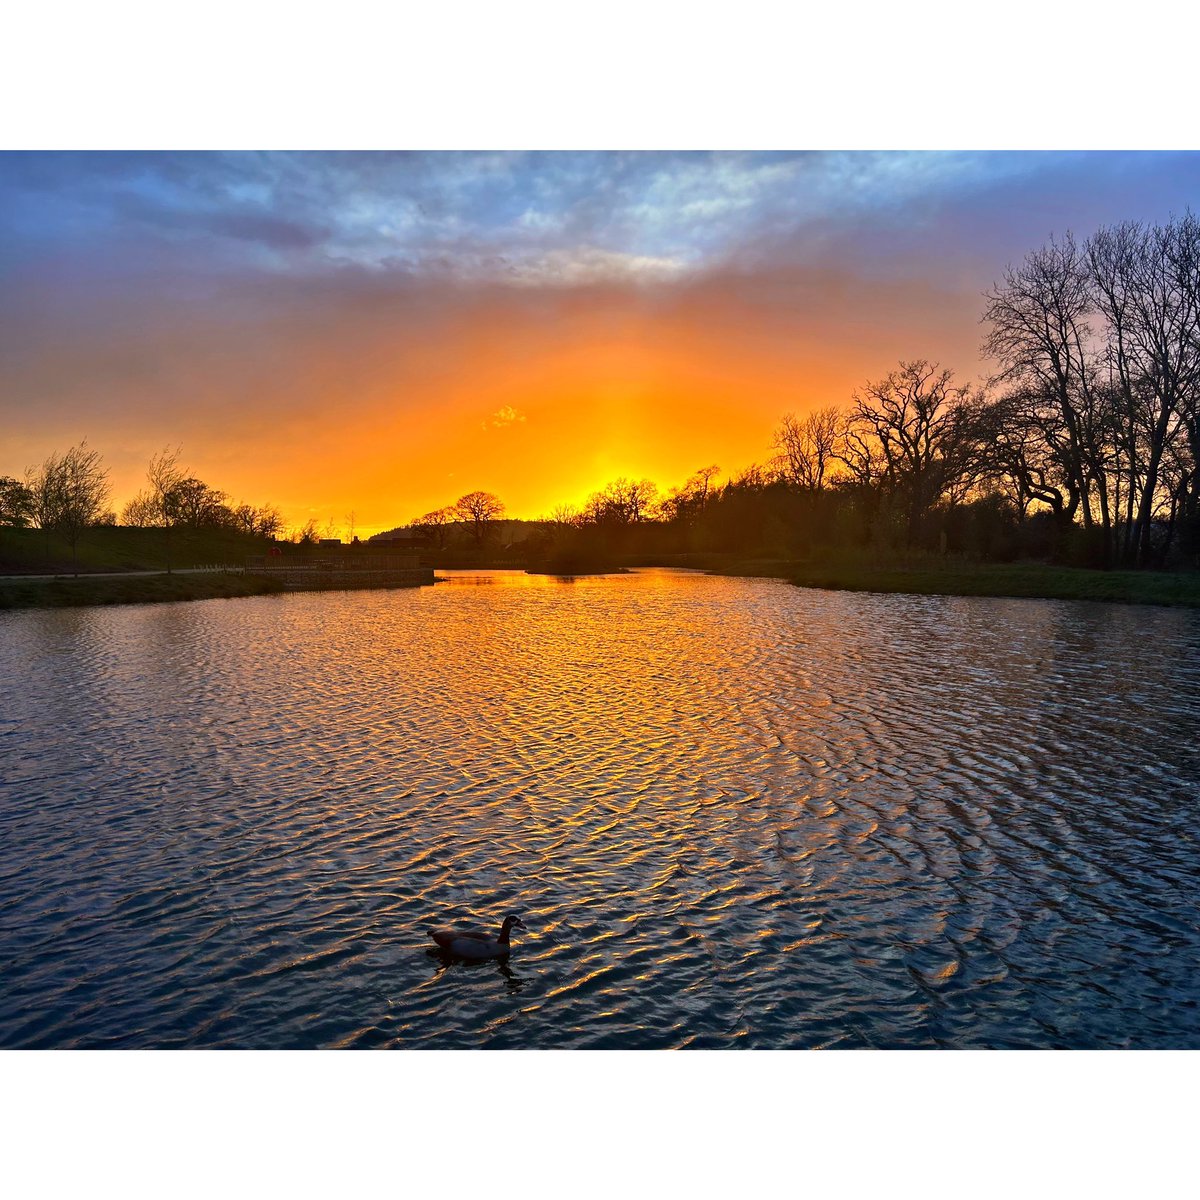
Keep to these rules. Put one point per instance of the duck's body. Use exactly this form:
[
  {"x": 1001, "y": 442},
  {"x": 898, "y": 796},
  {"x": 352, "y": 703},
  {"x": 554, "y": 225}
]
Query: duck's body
[{"x": 472, "y": 943}]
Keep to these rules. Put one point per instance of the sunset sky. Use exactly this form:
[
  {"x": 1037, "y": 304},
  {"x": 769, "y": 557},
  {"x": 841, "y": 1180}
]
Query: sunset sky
[{"x": 384, "y": 332}]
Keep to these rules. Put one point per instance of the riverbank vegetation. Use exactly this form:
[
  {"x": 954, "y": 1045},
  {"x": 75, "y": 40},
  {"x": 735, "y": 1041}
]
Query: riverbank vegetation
[{"x": 938, "y": 576}]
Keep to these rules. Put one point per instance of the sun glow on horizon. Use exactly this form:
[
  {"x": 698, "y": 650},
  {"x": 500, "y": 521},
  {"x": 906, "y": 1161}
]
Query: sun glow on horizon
[{"x": 383, "y": 334}]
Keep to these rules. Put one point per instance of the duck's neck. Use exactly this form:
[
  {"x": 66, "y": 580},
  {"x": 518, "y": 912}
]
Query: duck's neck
[{"x": 504, "y": 930}]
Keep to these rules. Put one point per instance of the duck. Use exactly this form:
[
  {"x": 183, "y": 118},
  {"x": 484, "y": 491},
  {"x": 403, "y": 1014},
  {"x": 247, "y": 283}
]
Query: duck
[{"x": 470, "y": 943}]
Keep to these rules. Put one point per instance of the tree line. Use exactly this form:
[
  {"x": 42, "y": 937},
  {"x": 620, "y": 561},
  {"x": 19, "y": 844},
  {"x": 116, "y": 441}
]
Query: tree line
[
  {"x": 66, "y": 495},
  {"x": 69, "y": 493},
  {"x": 1099, "y": 347},
  {"x": 1083, "y": 447},
  {"x": 476, "y": 513}
]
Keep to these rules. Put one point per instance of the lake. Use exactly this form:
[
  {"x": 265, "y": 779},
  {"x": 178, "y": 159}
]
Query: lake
[{"x": 732, "y": 813}]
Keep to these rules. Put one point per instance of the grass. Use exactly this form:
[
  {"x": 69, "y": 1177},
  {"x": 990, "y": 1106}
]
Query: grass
[
  {"x": 134, "y": 589},
  {"x": 952, "y": 577},
  {"x": 117, "y": 549}
]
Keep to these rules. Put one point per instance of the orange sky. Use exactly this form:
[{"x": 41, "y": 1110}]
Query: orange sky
[
  {"x": 381, "y": 334},
  {"x": 397, "y": 406}
]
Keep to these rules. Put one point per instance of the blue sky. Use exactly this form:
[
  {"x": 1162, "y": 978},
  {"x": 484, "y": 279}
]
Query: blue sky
[{"x": 545, "y": 217}]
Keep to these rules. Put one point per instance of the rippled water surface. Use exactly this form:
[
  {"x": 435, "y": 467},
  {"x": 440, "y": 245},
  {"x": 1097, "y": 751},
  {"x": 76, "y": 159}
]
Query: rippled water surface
[{"x": 732, "y": 813}]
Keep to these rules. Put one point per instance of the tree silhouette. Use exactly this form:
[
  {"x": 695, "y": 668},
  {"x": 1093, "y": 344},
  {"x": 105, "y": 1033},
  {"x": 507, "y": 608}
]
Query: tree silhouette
[
  {"x": 807, "y": 446},
  {"x": 16, "y": 502},
  {"x": 914, "y": 438},
  {"x": 69, "y": 494},
  {"x": 622, "y": 502},
  {"x": 479, "y": 510}
]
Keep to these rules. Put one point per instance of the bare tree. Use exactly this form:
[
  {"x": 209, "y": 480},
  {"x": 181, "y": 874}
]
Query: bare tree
[
  {"x": 41, "y": 486},
  {"x": 807, "y": 446},
  {"x": 479, "y": 510},
  {"x": 1041, "y": 337},
  {"x": 1146, "y": 282},
  {"x": 914, "y": 436},
  {"x": 1026, "y": 454},
  {"x": 197, "y": 504},
  {"x": 16, "y": 502},
  {"x": 70, "y": 493},
  {"x": 640, "y": 498},
  {"x": 268, "y": 521},
  {"x": 308, "y": 534},
  {"x": 141, "y": 512},
  {"x": 622, "y": 502},
  {"x": 563, "y": 517},
  {"x": 433, "y": 524},
  {"x": 265, "y": 521},
  {"x": 1101, "y": 345},
  {"x": 165, "y": 477},
  {"x": 686, "y": 502},
  {"x": 750, "y": 478},
  {"x": 244, "y": 517}
]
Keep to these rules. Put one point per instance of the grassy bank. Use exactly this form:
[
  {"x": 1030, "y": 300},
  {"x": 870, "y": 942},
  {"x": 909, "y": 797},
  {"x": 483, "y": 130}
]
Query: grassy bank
[
  {"x": 939, "y": 577},
  {"x": 134, "y": 589}
]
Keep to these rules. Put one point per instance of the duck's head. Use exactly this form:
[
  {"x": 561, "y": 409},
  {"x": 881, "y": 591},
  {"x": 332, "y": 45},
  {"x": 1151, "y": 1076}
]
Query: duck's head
[{"x": 512, "y": 921}]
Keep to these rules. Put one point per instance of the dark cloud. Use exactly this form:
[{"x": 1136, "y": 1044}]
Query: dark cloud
[{"x": 241, "y": 224}]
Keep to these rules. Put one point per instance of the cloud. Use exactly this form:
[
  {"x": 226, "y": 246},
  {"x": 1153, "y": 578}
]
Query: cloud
[
  {"x": 515, "y": 218},
  {"x": 589, "y": 265},
  {"x": 559, "y": 219},
  {"x": 504, "y": 417}
]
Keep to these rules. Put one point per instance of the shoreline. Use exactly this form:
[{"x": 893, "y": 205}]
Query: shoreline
[
  {"x": 66, "y": 591},
  {"x": 1018, "y": 581},
  {"x": 1026, "y": 581}
]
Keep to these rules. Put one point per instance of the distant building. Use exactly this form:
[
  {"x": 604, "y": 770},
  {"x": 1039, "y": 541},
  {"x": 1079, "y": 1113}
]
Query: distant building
[{"x": 408, "y": 539}]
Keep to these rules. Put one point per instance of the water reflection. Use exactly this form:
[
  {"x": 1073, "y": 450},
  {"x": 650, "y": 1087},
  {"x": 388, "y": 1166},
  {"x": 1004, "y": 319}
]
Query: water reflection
[
  {"x": 742, "y": 814},
  {"x": 444, "y": 962}
]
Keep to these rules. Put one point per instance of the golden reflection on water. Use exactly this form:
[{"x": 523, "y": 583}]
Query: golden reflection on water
[{"x": 731, "y": 812}]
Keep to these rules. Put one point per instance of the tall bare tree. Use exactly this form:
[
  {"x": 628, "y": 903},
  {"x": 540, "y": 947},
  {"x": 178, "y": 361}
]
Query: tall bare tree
[
  {"x": 1027, "y": 456},
  {"x": 1041, "y": 336},
  {"x": 914, "y": 436},
  {"x": 807, "y": 446},
  {"x": 1146, "y": 284},
  {"x": 166, "y": 477}
]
